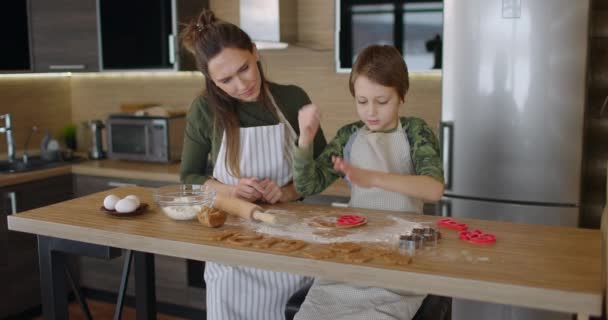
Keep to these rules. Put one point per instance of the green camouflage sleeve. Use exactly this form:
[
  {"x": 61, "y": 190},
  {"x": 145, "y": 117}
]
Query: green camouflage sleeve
[
  {"x": 424, "y": 148},
  {"x": 312, "y": 176}
]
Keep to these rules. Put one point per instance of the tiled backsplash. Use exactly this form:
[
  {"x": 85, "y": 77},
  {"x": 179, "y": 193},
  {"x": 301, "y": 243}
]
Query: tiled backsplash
[
  {"x": 41, "y": 100},
  {"x": 54, "y": 101}
]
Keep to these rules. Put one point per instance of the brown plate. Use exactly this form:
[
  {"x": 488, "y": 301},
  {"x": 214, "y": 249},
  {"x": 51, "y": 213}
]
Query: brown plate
[{"x": 141, "y": 209}]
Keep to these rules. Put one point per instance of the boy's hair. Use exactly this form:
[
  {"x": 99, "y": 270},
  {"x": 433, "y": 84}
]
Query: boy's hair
[{"x": 383, "y": 65}]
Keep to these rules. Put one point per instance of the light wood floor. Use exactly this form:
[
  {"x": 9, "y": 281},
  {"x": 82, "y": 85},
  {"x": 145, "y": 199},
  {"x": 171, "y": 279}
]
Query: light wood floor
[{"x": 103, "y": 310}]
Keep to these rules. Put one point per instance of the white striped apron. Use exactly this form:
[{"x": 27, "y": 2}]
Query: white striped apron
[
  {"x": 235, "y": 292},
  {"x": 380, "y": 151}
]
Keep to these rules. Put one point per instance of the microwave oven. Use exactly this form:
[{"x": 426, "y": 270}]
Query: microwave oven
[{"x": 144, "y": 138}]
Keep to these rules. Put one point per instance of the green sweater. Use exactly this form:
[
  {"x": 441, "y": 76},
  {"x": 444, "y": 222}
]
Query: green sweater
[
  {"x": 201, "y": 145},
  {"x": 313, "y": 176}
]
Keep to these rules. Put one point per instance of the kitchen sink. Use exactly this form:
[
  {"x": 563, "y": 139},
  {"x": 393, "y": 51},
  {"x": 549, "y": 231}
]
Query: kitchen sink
[{"x": 34, "y": 163}]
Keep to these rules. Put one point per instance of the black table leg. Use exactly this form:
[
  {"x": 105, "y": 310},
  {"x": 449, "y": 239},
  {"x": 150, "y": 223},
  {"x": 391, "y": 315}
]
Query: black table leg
[
  {"x": 52, "y": 280},
  {"x": 78, "y": 293},
  {"x": 52, "y": 255},
  {"x": 124, "y": 283},
  {"x": 145, "y": 286}
]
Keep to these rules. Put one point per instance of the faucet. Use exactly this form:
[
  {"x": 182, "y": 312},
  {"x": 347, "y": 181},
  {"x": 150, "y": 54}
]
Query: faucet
[{"x": 8, "y": 131}]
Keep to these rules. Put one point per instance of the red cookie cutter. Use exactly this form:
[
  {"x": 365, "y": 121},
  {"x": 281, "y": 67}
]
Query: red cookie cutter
[
  {"x": 477, "y": 237},
  {"x": 348, "y": 220},
  {"x": 451, "y": 224}
]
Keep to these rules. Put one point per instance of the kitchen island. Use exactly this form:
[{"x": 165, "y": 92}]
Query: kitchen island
[{"x": 545, "y": 267}]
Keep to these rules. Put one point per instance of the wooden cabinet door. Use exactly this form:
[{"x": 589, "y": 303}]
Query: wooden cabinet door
[
  {"x": 5, "y": 210},
  {"x": 64, "y": 35},
  {"x": 15, "y": 44},
  {"x": 137, "y": 34},
  {"x": 19, "y": 272},
  {"x": 41, "y": 193},
  {"x": 85, "y": 185}
]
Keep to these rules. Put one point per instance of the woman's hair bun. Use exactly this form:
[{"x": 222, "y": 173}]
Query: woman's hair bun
[{"x": 205, "y": 19}]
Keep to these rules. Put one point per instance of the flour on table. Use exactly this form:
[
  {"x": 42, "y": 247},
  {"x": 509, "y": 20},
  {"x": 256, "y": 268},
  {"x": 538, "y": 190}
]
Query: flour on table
[{"x": 300, "y": 229}]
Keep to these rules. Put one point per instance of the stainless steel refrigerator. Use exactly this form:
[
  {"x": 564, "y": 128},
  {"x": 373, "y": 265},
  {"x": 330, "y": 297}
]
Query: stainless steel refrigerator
[{"x": 513, "y": 96}]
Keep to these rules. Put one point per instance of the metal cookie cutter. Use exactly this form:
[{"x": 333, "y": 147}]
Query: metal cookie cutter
[
  {"x": 430, "y": 236},
  {"x": 410, "y": 242},
  {"x": 419, "y": 231}
]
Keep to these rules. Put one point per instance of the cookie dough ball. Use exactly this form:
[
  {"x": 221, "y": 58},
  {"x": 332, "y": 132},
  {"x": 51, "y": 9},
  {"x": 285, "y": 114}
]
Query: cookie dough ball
[{"x": 211, "y": 217}]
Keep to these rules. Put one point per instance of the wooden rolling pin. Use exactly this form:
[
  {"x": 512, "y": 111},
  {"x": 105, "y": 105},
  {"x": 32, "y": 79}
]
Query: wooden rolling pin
[{"x": 243, "y": 209}]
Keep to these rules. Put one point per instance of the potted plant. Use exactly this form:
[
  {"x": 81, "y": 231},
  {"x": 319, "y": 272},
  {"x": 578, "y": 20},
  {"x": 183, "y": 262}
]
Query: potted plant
[{"x": 69, "y": 136}]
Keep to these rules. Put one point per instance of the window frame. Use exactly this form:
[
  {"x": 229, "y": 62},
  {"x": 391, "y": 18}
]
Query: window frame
[{"x": 398, "y": 30}]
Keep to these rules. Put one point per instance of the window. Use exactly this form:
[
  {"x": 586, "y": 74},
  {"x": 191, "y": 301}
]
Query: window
[{"x": 414, "y": 27}]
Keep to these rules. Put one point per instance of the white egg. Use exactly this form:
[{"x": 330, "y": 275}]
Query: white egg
[
  {"x": 110, "y": 201},
  {"x": 134, "y": 198},
  {"x": 125, "y": 206}
]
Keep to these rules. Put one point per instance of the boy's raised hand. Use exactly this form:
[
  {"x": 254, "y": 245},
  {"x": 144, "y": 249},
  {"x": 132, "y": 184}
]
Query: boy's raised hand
[
  {"x": 309, "y": 119},
  {"x": 360, "y": 177}
]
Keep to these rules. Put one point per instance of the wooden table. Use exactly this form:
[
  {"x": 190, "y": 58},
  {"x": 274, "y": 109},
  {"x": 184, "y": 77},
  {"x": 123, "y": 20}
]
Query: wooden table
[{"x": 544, "y": 267}]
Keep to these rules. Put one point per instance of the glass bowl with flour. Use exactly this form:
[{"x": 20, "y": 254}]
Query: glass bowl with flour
[{"x": 184, "y": 201}]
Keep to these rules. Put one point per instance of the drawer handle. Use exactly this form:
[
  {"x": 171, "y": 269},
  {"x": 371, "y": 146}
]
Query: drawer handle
[
  {"x": 339, "y": 204},
  {"x": 171, "y": 49},
  {"x": 67, "y": 67},
  {"x": 121, "y": 184},
  {"x": 447, "y": 133},
  {"x": 12, "y": 197}
]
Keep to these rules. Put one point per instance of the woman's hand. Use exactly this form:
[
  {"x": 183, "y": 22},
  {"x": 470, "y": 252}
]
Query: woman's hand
[
  {"x": 309, "y": 119},
  {"x": 271, "y": 193},
  {"x": 249, "y": 189},
  {"x": 360, "y": 177}
]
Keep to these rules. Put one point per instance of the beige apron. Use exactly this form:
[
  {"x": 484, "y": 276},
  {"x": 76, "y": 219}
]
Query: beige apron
[
  {"x": 386, "y": 152},
  {"x": 235, "y": 292}
]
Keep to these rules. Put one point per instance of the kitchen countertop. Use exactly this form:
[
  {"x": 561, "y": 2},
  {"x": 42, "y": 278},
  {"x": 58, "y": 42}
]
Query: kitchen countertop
[
  {"x": 168, "y": 172},
  {"x": 10, "y": 179},
  {"x": 546, "y": 267}
]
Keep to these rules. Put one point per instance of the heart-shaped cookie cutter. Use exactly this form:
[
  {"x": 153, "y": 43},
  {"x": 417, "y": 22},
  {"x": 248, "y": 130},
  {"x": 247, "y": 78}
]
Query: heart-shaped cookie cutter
[
  {"x": 477, "y": 237},
  {"x": 451, "y": 224}
]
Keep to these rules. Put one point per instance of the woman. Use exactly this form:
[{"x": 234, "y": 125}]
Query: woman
[{"x": 247, "y": 126}]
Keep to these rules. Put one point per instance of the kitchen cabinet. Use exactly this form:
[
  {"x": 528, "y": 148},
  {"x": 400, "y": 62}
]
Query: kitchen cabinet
[
  {"x": 178, "y": 281},
  {"x": 137, "y": 34},
  {"x": 96, "y": 35},
  {"x": 142, "y": 34},
  {"x": 86, "y": 184},
  {"x": 19, "y": 257},
  {"x": 14, "y": 26},
  {"x": 64, "y": 35}
]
